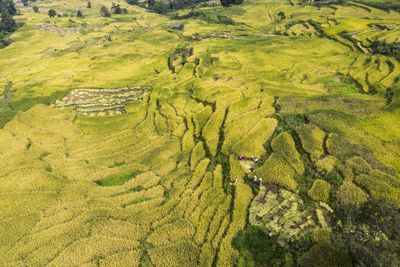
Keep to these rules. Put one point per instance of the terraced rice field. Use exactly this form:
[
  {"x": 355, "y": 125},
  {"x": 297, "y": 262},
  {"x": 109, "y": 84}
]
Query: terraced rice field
[
  {"x": 162, "y": 184},
  {"x": 97, "y": 102}
]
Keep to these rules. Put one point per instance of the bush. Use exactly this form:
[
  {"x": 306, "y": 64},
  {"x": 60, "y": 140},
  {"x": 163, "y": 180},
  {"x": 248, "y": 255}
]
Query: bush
[
  {"x": 257, "y": 248},
  {"x": 132, "y": 2},
  {"x": 160, "y": 8},
  {"x": 369, "y": 233},
  {"x": 35, "y": 9},
  {"x": 79, "y": 14},
  {"x": 104, "y": 12},
  {"x": 324, "y": 254},
  {"x": 52, "y": 13},
  {"x": 320, "y": 190}
]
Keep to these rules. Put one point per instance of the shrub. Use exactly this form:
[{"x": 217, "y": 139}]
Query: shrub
[
  {"x": 325, "y": 254},
  {"x": 52, "y": 13},
  {"x": 160, "y": 7},
  {"x": 320, "y": 190},
  {"x": 277, "y": 171},
  {"x": 257, "y": 248},
  {"x": 104, "y": 12},
  {"x": 35, "y": 9},
  {"x": 349, "y": 193},
  {"x": 79, "y": 14},
  {"x": 312, "y": 139},
  {"x": 284, "y": 145}
]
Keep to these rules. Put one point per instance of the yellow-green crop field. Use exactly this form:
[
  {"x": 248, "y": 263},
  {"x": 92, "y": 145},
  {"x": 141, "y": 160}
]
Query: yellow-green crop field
[{"x": 120, "y": 136}]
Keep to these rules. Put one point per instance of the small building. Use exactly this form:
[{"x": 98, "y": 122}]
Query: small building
[{"x": 177, "y": 26}]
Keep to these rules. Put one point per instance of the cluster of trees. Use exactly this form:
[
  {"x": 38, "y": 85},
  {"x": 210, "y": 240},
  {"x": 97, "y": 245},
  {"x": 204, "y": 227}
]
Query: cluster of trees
[
  {"x": 227, "y": 3},
  {"x": 115, "y": 9},
  {"x": 7, "y": 23},
  {"x": 368, "y": 235},
  {"x": 162, "y": 7}
]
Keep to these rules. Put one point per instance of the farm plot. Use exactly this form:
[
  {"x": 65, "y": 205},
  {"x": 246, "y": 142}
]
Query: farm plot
[{"x": 101, "y": 102}]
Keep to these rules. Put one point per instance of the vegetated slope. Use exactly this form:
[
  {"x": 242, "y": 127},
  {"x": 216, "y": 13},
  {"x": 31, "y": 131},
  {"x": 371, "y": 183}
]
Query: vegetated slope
[{"x": 162, "y": 183}]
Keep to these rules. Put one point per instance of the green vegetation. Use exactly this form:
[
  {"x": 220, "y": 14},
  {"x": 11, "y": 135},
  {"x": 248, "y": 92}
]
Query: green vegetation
[{"x": 117, "y": 179}]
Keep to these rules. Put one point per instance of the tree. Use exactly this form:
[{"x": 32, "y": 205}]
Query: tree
[
  {"x": 132, "y": 2},
  {"x": 227, "y": 3},
  {"x": 35, "y": 9},
  {"x": 52, "y": 13},
  {"x": 116, "y": 9},
  {"x": 365, "y": 231},
  {"x": 79, "y": 14},
  {"x": 7, "y": 23},
  {"x": 160, "y": 8},
  {"x": 9, "y": 6},
  {"x": 104, "y": 12},
  {"x": 151, "y": 3},
  {"x": 89, "y": 4},
  {"x": 25, "y": 2}
]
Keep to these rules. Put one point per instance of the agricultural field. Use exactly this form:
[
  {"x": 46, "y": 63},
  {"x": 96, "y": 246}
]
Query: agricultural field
[{"x": 121, "y": 138}]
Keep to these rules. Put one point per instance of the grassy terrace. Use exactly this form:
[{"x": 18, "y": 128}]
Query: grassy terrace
[{"x": 313, "y": 91}]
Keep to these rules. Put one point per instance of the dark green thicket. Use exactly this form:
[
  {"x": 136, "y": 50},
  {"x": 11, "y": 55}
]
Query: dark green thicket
[
  {"x": 7, "y": 22},
  {"x": 104, "y": 12},
  {"x": 385, "y": 5},
  {"x": 370, "y": 234},
  {"x": 52, "y": 13},
  {"x": 210, "y": 16},
  {"x": 390, "y": 49},
  {"x": 257, "y": 248}
]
